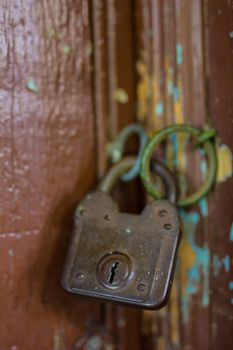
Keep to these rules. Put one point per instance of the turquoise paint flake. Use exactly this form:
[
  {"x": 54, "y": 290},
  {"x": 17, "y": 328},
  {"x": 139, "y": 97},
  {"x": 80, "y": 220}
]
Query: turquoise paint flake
[
  {"x": 179, "y": 57},
  {"x": 231, "y": 35},
  {"x": 173, "y": 91},
  {"x": 200, "y": 269},
  {"x": 219, "y": 263},
  {"x": 203, "y": 168},
  {"x": 226, "y": 263},
  {"x": 231, "y": 285},
  {"x": 231, "y": 232},
  {"x": 176, "y": 93},
  {"x": 32, "y": 85},
  {"x": 216, "y": 264},
  {"x": 159, "y": 108},
  {"x": 203, "y": 205}
]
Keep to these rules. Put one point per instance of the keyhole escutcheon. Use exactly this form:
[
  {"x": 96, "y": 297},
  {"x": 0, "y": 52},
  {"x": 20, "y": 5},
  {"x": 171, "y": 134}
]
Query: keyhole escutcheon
[{"x": 113, "y": 272}]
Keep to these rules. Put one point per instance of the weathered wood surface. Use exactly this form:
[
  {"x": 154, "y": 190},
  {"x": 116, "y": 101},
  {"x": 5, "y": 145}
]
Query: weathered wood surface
[
  {"x": 72, "y": 75},
  {"x": 184, "y": 60},
  {"x": 48, "y": 162}
]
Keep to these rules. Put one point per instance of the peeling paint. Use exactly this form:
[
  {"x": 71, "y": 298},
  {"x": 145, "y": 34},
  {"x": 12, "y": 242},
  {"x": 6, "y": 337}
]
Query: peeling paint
[
  {"x": 231, "y": 35},
  {"x": 32, "y": 85},
  {"x": 121, "y": 95},
  {"x": 203, "y": 205},
  {"x": 231, "y": 232},
  {"x": 226, "y": 263},
  {"x": 159, "y": 109},
  {"x": 179, "y": 119},
  {"x": 231, "y": 288},
  {"x": 220, "y": 263},
  {"x": 66, "y": 49},
  {"x": 224, "y": 156},
  {"x": 142, "y": 91},
  {"x": 194, "y": 264},
  {"x": 179, "y": 57},
  {"x": 203, "y": 168}
]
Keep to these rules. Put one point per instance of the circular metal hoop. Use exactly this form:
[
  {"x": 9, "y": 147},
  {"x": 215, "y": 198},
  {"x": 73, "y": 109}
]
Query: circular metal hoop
[
  {"x": 117, "y": 170},
  {"x": 209, "y": 147}
]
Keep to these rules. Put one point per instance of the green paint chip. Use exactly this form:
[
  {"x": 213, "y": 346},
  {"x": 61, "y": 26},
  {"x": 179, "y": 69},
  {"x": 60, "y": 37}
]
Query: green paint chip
[
  {"x": 66, "y": 49},
  {"x": 32, "y": 85}
]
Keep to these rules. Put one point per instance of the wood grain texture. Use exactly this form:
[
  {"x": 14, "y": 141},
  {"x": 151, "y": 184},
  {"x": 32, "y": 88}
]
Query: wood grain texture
[
  {"x": 180, "y": 48},
  {"x": 47, "y": 164},
  {"x": 73, "y": 73},
  {"x": 115, "y": 107},
  {"x": 219, "y": 25}
]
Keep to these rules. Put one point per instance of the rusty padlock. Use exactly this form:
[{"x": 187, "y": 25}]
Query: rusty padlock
[{"x": 120, "y": 257}]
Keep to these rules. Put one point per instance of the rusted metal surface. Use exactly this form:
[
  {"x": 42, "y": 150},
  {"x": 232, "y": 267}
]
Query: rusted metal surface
[{"x": 120, "y": 257}]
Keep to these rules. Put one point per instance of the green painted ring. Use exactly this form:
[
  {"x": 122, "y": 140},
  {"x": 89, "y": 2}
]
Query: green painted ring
[{"x": 209, "y": 147}]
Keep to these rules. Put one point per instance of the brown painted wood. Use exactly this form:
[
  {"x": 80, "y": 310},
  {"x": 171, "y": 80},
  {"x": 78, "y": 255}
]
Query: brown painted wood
[
  {"x": 47, "y": 164},
  {"x": 220, "y": 97}
]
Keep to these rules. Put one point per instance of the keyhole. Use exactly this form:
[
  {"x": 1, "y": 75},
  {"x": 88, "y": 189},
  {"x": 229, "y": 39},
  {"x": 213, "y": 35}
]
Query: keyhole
[{"x": 113, "y": 272}]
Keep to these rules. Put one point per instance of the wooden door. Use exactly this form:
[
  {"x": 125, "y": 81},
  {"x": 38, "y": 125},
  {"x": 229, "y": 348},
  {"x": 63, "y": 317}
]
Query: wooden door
[{"x": 73, "y": 73}]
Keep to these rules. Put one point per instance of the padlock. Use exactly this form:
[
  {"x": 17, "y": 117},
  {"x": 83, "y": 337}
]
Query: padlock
[{"x": 121, "y": 257}]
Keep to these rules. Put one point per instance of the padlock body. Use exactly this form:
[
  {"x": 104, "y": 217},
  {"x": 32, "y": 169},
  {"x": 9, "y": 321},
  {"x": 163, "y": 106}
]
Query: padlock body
[{"x": 121, "y": 257}]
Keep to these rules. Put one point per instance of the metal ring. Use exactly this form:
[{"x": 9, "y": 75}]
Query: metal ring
[
  {"x": 116, "y": 171},
  {"x": 149, "y": 150},
  {"x": 205, "y": 136},
  {"x": 116, "y": 149}
]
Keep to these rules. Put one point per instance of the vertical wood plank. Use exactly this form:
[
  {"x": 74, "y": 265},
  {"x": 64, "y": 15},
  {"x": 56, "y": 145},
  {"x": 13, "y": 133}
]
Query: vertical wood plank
[
  {"x": 45, "y": 120},
  {"x": 192, "y": 85},
  {"x": 219, "y": 45},
  {"x": 114, "y": 75}
]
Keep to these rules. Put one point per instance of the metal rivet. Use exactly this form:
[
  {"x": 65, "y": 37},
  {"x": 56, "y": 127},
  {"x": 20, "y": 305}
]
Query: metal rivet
[
  {"x": 80, "y": 276},
  {"x": 141, "y": 287},
  {"x": 162, "y": 213},
  {"x": 167, "y": 226}
]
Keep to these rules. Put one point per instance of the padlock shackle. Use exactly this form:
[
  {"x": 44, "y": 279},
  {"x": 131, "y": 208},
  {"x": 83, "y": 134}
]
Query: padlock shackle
[
  {"x": 117, "y": 170},
  {"x": 117, "y": 147}
]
